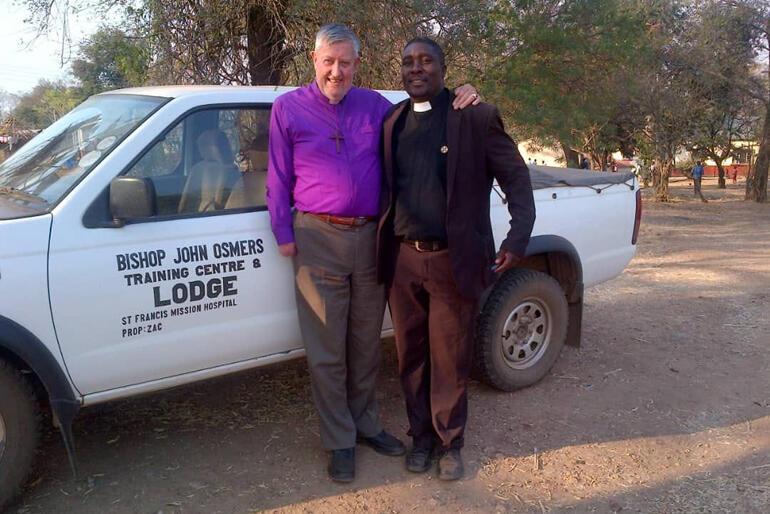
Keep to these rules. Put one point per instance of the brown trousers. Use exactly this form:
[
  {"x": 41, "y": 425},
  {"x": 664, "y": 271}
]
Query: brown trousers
[
  {"x": 434, "y": 339},
  {"x": 340, "y": 307}
]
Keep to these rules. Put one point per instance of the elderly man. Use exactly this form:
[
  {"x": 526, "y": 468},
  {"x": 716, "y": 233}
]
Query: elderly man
[
  {"x": 324, "y": 159},
  {"x": 435, "y": 244}
]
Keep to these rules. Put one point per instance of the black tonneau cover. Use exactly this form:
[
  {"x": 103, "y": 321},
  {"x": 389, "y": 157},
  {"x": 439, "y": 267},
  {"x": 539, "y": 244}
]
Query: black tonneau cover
[{"x": 546, "y": 176}]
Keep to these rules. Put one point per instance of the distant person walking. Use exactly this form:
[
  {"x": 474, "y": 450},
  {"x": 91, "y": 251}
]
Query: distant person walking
[
  {"x": 697, "y": 175},
  {"x": 735, "y": 173},
  {"x": 584, "y": 164}
]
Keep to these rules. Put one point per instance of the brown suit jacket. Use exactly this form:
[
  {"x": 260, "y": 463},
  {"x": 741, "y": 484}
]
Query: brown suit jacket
[{"x": 479, "y": 151}]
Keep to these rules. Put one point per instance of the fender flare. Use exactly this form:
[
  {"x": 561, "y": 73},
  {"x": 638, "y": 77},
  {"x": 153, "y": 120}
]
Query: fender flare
[
  {"x": 25, "y": 346},
  {"x": 552, "y": 243},
  {"x": 547, "y": 244}
]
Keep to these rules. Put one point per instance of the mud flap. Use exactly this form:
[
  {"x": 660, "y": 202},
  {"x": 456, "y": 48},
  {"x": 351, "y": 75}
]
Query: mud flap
[
  {"x": 575, "y": 319},
  {"x": 65, "y": 412}
]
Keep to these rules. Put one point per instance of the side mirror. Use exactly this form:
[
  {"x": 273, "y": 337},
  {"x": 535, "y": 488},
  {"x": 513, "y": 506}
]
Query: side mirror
[{"x": 131, "y": 197}]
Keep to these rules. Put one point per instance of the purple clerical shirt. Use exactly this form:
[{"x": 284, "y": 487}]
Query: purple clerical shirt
[{"x": 322, "y": 173}]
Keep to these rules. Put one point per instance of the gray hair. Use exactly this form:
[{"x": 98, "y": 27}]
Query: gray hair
[{"x": 335, "y": 33}]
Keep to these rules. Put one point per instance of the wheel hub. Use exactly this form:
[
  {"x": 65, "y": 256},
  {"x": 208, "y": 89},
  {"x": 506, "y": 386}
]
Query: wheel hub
[{"x": 526, "y": 334}]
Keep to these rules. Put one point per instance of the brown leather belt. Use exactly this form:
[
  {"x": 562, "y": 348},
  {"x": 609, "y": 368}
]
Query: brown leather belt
[
  {"x": 343, "y": 220},
  {"x": 425, "y": 246}
]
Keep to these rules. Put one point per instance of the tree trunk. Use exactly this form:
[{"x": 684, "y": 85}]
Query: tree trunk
[
  {"x": 596, "y": 161},
  {"x": 570, "y": 155},
  {"x": 607, "y": 161},
  {"x": 756, "y": 180},
  {"x": 265, "y": 40},
  {"x": 660, "y": 179},
  {"x": 721, "y": 169}
]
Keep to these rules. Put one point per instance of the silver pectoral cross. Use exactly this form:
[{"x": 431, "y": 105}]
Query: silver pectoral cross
[{"x": 337, "y": 138}]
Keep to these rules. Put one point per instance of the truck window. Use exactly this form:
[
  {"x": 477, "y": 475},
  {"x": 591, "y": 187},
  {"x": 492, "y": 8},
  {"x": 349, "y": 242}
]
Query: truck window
[
  {"x": 163, "y": 158},
  {"x": 211, "y": 160},
  {"x": 44, "y": 170}
]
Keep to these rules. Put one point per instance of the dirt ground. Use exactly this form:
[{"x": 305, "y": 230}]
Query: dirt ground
[{"x": 664, "y": 408}]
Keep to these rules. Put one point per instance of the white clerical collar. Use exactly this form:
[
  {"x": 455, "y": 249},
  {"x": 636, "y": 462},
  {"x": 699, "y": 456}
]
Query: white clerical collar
[{"x": 421, "y": 106}]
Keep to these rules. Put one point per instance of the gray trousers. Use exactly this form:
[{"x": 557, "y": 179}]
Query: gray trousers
[{"x": 340, "y": 307}]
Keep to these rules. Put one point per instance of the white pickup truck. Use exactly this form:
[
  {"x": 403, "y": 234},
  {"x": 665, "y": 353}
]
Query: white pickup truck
[{"x": 136, "y": 255}]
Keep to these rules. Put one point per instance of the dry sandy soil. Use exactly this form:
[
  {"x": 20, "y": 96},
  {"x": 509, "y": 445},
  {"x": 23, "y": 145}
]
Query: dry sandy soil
[{"x": 665, "y": 408}]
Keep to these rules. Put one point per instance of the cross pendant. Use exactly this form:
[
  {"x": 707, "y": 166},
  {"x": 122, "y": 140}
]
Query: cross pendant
[{"x": 337, "y": 138}]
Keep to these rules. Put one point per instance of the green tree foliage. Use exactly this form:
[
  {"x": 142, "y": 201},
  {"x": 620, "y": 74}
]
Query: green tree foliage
[
  {"x": 660, "y": 99},
  {"x": 564, "y": 71},
  {"x": 109, "y": 59}
]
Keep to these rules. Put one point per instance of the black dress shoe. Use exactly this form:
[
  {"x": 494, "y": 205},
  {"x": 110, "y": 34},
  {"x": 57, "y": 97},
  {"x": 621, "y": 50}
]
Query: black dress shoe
[
  {"x": 385, "y": 444},
  {"x": 342, "y": 467},
  {"x": 450, "y": 465},
  {"x": 418, "y": 459}
]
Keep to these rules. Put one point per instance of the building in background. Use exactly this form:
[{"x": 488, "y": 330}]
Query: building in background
[{"x": 743, "y": 158}]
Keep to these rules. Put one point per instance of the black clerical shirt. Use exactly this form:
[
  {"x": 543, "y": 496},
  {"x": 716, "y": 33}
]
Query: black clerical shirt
[{"x": 419, "y": 147}]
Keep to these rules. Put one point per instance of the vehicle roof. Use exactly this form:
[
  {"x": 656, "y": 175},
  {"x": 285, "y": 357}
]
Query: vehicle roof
[
  {"x": 237, "y": 92},
  {"x": 179, "y": 91}
]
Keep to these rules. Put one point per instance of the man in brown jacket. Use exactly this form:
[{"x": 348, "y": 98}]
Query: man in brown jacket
[{"x": 435, "y": 247}]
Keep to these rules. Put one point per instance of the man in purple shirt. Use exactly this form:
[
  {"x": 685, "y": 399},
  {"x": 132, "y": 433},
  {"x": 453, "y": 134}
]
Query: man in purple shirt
[{"x": 325, "y": 160}]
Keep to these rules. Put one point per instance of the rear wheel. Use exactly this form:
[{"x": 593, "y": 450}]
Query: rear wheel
[
  {"x": 19, "y": 431},
  {"x": 521, "y": 330}
]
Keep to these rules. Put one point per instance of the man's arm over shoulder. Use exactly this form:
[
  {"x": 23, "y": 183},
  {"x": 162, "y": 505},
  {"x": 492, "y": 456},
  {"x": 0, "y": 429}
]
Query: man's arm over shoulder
[
  {"x": 280, "y": 174},
  {"x": 505, "y": 164}
]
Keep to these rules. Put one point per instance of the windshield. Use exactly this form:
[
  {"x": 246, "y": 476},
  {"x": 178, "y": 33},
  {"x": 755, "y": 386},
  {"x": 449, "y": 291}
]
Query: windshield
[{"x": 44, "y": 169}]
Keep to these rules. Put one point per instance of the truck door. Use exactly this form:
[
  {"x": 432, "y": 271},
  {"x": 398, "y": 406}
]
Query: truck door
[{"x": 198, "y": 285}]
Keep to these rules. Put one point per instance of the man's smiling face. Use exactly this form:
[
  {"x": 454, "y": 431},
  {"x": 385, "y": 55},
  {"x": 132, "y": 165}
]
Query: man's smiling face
[
  {"x": 335, "y": 65},
  {"x": 422, "y": 71}
]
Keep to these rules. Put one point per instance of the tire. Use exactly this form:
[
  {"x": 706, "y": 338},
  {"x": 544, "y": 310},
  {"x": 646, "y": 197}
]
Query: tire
[
  {"x": 521, "y": 330},
  {"x": 19, "y": 431}
]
